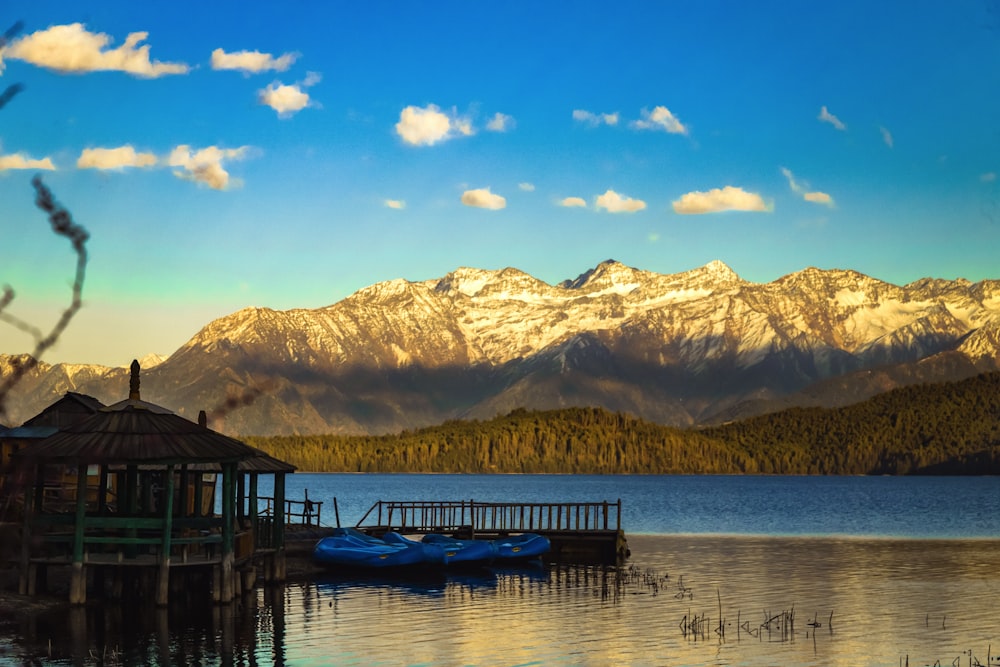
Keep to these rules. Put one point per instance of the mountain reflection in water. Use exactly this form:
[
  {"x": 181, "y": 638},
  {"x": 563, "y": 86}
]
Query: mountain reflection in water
[{"x": 888, "y": 600}]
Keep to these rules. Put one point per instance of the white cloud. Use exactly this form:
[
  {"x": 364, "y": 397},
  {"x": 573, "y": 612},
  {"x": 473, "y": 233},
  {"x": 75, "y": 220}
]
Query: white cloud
[
  {"x": 827, "y": 117},
  {"x": 500, "y": 123},
  {"x": 427, "y": 126},
  {"x": 818, "y": 198},
  {"x": 21, "y": 161},
  {"x": 613, "y": 202},
  {"x": 804, "y": 190},
  {"x": 205, "y": 165},
  {"x": 526, "y": 187},
  {"x": 397, "y": 204},
  {"x": 886, "y": 136},
  {"x": 572, "y": 202},
  {"x": 114, "y": 158},
  {"x": 595, "y": 119},
  {"x": 72, "y": 49},
  {"x": 251, "y": 62},
  {"x": 715, "y": 200},
  {"x": 660, "y": 119},
  {"x": 288, "y": 99},
  {"x": 988, "y": 177},
  {"x": 483, "y": 198}
]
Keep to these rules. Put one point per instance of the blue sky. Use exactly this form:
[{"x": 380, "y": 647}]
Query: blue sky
[{"x": 226, "y": 154}]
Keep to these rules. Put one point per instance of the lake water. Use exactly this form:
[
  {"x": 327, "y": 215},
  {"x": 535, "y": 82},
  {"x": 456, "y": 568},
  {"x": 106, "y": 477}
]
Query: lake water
[{"x": 801, "y": 570}]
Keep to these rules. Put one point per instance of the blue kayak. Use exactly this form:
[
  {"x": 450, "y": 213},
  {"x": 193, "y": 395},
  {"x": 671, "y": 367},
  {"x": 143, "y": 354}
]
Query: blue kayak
[
  {"x": 525, "y": 546},
  {"x": 431, "y": 554},
  {"x": 463, "y": 552},
  {"x": 351, "y": 548}
]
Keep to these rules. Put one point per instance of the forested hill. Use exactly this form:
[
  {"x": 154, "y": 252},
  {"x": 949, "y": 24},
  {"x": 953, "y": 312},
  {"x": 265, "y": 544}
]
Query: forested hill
[{"x": 951, "y": 428}]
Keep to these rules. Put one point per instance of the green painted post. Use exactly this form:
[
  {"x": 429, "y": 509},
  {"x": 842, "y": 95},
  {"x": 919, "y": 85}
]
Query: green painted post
[
  {"x": 131, "y": 506},
  {"x": 25, "y": 583},
  {"x": 78, "y": 578},
  {"x": 253, "y": 507},
  {"x": 279, "y": 510},
  {"x": 278, "y": 567},
  {"x": 163, "y": 578},
  {"x": 228, "y": 515},
  {"x": 183, "y": 496},
  {"x": 102, "y": 490}
]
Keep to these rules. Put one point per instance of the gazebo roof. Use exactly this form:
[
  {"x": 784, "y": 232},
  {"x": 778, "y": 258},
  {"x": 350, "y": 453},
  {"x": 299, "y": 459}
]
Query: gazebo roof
[{"x": 137, "y": 432}]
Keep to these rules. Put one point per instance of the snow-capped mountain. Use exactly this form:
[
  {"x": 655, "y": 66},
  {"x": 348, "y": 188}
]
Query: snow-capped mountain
[{"x": 684, "y": 349}]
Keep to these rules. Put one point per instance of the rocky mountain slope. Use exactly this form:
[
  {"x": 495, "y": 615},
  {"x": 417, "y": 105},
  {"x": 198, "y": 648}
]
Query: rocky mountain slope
[{"x": 689, "y": 348}]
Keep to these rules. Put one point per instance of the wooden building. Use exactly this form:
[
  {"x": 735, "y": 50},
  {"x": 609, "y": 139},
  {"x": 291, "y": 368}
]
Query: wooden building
[
  {"x": 148, "y": 519},
  {"x": 61, "y": 482}
]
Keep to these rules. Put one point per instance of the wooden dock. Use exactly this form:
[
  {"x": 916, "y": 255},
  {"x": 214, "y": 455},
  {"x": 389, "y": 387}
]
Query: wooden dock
[{"x": 587, "y": 532}]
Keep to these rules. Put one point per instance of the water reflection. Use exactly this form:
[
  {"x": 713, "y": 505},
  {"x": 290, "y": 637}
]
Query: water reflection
[{"x": 681, "y": 601}]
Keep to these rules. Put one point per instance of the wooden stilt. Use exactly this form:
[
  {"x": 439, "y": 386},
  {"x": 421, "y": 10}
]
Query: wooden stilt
[{"x": 78, "y": 584}]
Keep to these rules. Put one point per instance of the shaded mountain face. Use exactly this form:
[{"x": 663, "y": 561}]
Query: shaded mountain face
[{"x": 684, "y": 349}]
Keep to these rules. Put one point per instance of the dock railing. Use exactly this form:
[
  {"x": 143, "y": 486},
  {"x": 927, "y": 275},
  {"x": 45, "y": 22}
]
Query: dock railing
[
  {"x": 484, "y": 517},
  {"x": 305, "y": 512}
]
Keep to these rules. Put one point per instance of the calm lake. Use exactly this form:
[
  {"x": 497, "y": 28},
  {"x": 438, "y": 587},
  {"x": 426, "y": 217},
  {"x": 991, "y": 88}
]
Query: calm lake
[{"x": 800, "y": 570}]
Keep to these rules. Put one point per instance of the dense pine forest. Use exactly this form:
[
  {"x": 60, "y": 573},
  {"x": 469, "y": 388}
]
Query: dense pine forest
[{"x": 949, "y": 428}]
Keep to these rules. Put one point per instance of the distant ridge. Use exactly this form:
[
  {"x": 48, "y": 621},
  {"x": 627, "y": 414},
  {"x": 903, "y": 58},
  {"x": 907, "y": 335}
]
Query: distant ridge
[{"x": 698, "y": 347}]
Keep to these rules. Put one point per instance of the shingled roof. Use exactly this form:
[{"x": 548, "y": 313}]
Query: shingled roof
[{"x": 134, "y": 431}]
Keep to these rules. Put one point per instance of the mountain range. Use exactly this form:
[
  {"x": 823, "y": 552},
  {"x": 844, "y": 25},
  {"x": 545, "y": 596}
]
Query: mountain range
[{"x": 693, "y": 348}]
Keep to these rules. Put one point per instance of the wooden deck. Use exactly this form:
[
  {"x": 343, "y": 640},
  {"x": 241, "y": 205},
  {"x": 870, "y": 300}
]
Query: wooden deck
[{"x": 587, "y": 532}]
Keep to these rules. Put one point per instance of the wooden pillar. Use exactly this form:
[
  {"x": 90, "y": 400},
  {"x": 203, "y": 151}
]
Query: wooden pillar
[
  {"x": 241, "y": 493},
  {"x": 131, "y": 505},
  {"x": 163, "y": 577},
  {"x": 278, "y": 567},
  {"x": 228, "y": 516},
  {"x": 102, "y": 490},
  {"x": 253, "y": 500},
  {"x": 183, "y": 495},
  {"x": 78, "y": 576},
  {"x": 197, "y": 494},
  {"x": 25, "y": 583}
]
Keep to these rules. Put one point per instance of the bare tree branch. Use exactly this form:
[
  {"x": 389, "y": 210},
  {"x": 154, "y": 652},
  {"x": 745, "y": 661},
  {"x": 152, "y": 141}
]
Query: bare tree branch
[{"x": 63, "y": 225}]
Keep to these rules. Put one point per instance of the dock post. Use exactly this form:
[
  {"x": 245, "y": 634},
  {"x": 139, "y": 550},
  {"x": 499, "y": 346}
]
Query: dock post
[
  {"x": 78, "y": 576},
  {"x": 163, "y": 576}
]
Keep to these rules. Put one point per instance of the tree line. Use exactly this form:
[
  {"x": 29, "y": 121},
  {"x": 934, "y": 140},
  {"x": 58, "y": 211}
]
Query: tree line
[{"x": 951, "y": 428}]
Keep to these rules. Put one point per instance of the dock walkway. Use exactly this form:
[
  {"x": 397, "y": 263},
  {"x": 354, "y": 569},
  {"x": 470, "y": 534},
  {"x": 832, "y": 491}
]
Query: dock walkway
[{"x": 580, "y": 532}]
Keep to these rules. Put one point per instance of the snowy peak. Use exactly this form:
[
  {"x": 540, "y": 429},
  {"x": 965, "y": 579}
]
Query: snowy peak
[
  {"x": 608, "y": 277},
  {"x": 680, "y": 348},
  {"x": 714, "y": 275}
]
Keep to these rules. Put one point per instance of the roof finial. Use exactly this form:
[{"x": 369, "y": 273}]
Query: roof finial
[
  {"x": 133, "y": 383},
  {"x": 202, "y": 419}
]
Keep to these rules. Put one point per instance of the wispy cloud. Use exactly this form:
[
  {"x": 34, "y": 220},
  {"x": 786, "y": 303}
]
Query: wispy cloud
[
  {"x": 251, "y": 62},
  {"x": 595, "y": 119},
  {"x": 988, "y": 177},
  {"x": 886, "y": 135},
  {"x": 660, "y": 118},
  {"x": 22, "y": 161},
  {"x": 804, "y": 190},
  {"x": 205, "y": 165},
  {"x": 572, "y": 202},
  {"x": 288, "y": 99},
  {"x": 526, "y": 187},
  {"x": 827, "y": 117},
  {"x": 716, "y": 200},
  {"x": 613, "y": 202},
  {"x": 500, "y": 122},
  {"x": 397, "y": 204},
  {"x": 73, "y": 49},
  {"x": 483, "y": 198},
  {"x": 429, "y": 125},
  {"x": 114, "y": 158}
]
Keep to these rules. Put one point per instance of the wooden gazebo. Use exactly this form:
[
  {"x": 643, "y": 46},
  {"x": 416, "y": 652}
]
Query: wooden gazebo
[{"x": 159, "y": 519}]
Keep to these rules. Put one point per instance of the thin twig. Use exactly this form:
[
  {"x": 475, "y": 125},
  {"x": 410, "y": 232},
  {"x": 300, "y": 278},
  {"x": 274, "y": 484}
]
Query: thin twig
[{"x": 63, "y": 225}]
